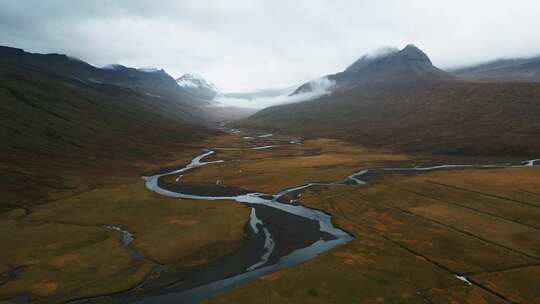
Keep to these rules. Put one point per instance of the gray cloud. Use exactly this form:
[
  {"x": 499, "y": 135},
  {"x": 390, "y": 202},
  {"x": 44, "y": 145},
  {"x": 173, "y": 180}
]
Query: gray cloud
[{"x": 241, "y": 44}]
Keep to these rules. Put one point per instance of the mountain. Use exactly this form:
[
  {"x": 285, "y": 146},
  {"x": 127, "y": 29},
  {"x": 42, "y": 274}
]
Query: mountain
[
  {"x": 189, "y": 91},
  {"x": 198, "y": 86},
  {"x": 211, "y": 95},
  {"x": 62, "y": 118},
  {"x": 400, "y": 101},
  {"x": 227, "y": 106},
  {"x": 394, "y": 64},
  {"x": 156, "y": 82},
  {"x": 388, "y": 64},
  {"x": 516, "y": 70}
]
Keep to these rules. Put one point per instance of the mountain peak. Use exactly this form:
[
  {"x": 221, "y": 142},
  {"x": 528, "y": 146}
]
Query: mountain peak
[
  {"x": 388, "y": 57},
  {"x": 412, "y": 52},
  {"x": 194, "y": 80},
  {"x": 198, "y": 86},
  {"x": 411, "y": 46},
  {"x": 385, "y": 65}
]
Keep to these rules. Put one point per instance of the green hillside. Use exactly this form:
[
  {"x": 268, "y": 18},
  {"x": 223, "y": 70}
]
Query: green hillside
[
  {"x": 449, "y": 118},
  {"x": 54, "y": 125},
  {"x": 400, "y": 103}
]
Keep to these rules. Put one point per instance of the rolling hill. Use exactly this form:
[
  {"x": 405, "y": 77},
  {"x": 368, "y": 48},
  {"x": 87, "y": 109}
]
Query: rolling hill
[
  {"x": 62, "y": 118},
  {"x": 400, "y": 101},
  {"x": 505, "y": 70}
]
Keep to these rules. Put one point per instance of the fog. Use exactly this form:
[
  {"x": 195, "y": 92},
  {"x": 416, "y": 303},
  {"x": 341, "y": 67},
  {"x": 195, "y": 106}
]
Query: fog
[{"x": 319, "y": 87}]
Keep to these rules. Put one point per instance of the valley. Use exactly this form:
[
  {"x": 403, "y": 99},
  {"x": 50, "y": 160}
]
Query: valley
[
  {"x": 392, "y": 181},
  {"x": 418, "y": 231},
  {"x": 405, "y": 226}
]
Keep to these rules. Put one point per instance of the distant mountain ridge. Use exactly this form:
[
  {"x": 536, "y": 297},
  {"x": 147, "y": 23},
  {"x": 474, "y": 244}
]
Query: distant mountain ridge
[
  {"x": 62, "y": 116},
  {"x": 154, "y": 82},
  {"x": 398, "y": 100},
  {"x": 517, "y": 69},
  {"x": 235, "y": 105},
  {"x": 203, "y": 88},
  {"x": 193, "y": 92}
]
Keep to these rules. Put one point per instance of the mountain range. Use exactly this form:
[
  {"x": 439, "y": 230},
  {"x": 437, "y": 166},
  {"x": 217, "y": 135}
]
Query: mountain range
[
  {"x": 153, "y": 82},
  {"x": 399, "y": 100},
  {"x": 70, "y": 116},
  {"x": 503, "y": 70},
  {"x": 200, "y": 87},
  {"x": 62, "y": 115}
]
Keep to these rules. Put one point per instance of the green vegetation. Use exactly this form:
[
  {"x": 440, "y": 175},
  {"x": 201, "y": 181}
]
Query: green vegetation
[
  {"x": 517, "y": 285},
  {"x": 66, "y": 252},
  {"x": 272, "y": 170},
  {"x": 413, "y": 236},
  {"x": 62, "y": 261},
  {"x": 64, "y": 122},
  {"x": 414, "y": 233},
  {"x": 73, "y": 152},
  {"x": 75, "y": 141}
]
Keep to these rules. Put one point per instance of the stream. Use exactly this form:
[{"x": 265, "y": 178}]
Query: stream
[
  {"x": 262, "y": 266},
  {"x": 334, "y": 236},
  {"x": 280, "y": 233}
]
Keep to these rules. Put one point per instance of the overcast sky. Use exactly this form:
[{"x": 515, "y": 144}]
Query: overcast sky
[{"x": 248, "y": 44}]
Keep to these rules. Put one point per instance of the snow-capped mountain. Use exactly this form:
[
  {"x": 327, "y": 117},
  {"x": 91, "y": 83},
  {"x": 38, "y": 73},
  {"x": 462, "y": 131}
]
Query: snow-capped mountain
[
  {"x": 214, "y": 97},
  {"x": 384, "y": 65},
  {"x": 198, "y": 86}
]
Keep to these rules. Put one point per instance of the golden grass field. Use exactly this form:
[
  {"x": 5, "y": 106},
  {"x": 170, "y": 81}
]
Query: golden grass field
[
  {"x": 414, "y": 232},
  {"x": 65, "y": 252}
]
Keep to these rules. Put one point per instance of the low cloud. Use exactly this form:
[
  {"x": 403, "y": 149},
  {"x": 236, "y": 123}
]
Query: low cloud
[
  {"x": 319, "y": 87},
  {"x": 382, "y": 52}
]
